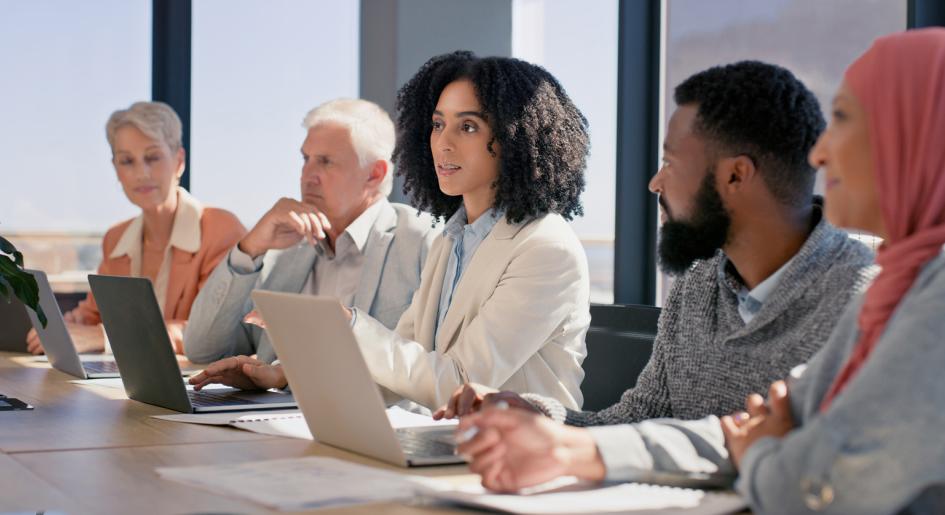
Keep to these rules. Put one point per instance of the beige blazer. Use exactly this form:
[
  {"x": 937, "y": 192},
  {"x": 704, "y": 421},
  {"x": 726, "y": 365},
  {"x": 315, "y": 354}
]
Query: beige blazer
[{"x": 517, "y": 320}]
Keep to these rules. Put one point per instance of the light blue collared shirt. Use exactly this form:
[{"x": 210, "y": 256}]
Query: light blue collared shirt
[
  {"x": 750, "y": 301},
  {"x": 465, "y": 238}
]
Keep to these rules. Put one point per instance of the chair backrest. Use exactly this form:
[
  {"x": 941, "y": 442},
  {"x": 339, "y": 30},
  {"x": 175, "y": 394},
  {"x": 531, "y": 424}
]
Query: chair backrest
[
  {"x": 619, "y": 343},
  {"x": 14, "y": 324}
]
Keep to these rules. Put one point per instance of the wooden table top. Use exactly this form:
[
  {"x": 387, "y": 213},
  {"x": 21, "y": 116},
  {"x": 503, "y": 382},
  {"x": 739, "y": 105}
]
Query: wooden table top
[{"x": 89, "y": 449}]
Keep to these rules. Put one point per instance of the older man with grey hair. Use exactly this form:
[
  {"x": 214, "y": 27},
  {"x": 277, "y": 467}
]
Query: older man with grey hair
[{"x": 342, "y": 239}]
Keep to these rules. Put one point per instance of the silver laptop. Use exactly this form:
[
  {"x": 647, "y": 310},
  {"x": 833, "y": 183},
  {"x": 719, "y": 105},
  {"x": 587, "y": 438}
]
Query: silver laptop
[
  {"x": 333, "y": 386},
  {"x": 142, "y": 348},
  {"x": 57, "y": 342}
]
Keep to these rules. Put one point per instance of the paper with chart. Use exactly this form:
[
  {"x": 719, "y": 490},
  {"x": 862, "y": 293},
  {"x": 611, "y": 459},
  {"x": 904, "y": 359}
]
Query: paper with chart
[{"x": 297, "y": 484}]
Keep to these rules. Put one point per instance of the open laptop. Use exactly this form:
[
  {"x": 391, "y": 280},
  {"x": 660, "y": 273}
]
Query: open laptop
[
  {"x": 14, "y": 324},
  {"x": 333, "y": 386},
  {"x": 57, "y": 342},
  {"x": 142, "y": 348}
]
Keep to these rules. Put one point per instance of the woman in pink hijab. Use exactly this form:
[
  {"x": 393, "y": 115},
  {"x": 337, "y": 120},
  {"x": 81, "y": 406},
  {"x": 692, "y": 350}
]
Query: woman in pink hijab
[{"x": 862, "y": 430}]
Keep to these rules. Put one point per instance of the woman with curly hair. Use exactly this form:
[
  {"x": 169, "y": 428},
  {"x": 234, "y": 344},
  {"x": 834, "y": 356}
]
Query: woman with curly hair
[{"x": 495, "y": 146}]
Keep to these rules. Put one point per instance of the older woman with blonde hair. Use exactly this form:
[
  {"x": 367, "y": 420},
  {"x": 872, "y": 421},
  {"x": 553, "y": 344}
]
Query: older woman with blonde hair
[{"x": 175, "y": 241}]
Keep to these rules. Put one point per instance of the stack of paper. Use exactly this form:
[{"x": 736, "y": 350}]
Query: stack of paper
[
  {"x": 634, "y": 498},
  {"x": 315, "y": 482},
  {"x": 291, "y": 423}
]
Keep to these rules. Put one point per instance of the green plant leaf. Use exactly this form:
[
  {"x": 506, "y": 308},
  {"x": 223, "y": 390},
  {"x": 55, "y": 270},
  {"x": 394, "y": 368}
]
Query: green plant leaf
[
  {"x": 6, "y": 247},
  {"x": 23, "y": 285},
  {"x": 5, "y": 289}
]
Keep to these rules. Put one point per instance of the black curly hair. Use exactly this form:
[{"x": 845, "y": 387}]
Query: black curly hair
[
  {"x": 763, "y": 111},
  {"x": 543, "y": 136}
]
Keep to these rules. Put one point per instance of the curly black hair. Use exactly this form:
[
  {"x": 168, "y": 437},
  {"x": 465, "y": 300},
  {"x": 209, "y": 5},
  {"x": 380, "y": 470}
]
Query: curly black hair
[
  {"x": 543, "y": 136},
  {"x": 763, "y": 111}
]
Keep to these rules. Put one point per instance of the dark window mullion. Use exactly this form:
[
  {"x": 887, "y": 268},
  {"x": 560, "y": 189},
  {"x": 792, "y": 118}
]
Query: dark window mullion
[
  {"x": 638, "y": 98},
  {"x": 170, "y": 63}
]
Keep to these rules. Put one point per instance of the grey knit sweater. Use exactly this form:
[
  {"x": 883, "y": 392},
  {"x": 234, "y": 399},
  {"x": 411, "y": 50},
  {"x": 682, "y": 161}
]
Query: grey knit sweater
[{"x": 706, "y": 360}]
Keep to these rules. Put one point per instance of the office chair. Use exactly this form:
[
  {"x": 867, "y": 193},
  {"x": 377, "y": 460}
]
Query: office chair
[{"x": 619, "y": 343}]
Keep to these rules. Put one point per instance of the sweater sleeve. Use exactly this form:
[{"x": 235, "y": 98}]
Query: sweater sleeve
[
  {"x": 640, "y": 452},
  {"x": 878, "y": 447},
  {"x": 649, "y": 398}
]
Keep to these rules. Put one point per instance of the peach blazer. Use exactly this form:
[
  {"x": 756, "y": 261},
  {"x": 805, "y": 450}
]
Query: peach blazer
[{"x": 201, "y": 238}]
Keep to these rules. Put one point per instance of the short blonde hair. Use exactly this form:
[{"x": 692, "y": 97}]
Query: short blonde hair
[
  {"x": 156, "y": 120},
  {"x": 370, "y": 127}
]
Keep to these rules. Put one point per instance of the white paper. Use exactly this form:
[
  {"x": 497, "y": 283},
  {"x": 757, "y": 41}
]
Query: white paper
[
  {"x": 115, "y": 382},
  {"x": 295, "y": 427},
  {"x": 297, "y": 484},
  {"x": 401, "y": 418},
  {"x": 575, "y": 498},
  {"x": 110, "y": 382},
  {"x": 86, "y": 358},
  {"x": 290, "y": 423},
  {"x": 224, "y": 419}
]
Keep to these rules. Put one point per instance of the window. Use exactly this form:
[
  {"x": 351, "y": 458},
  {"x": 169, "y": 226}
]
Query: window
[
  {"x": 67, "y": 66},
  {"x": 816, "y": 40},
  {"x": 257, "y": 69},
  {"x": 569, "y": 39}
]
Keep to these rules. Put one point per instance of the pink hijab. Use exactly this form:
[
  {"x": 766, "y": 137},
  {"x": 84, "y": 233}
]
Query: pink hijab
[{"x": 900, "y": 81}]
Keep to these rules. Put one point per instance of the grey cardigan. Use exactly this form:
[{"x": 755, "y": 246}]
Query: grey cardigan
[
  {"x": 395, "y": 252},
  {"x": 706, "y": 359},
  {"x": 877, "y": 449}
]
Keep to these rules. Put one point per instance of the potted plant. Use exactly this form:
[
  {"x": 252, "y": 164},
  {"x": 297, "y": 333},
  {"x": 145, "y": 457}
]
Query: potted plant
[{"x": 15, "y": 281}]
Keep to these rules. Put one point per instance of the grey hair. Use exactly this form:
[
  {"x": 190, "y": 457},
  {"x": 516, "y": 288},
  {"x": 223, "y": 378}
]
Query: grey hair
[
  {"x": 370, "y": 127},
  {"x": 156, "y": 120}
]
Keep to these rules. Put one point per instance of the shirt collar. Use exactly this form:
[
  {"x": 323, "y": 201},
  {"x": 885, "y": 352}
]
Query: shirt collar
[
  {"x": 729, "y": 277},
  {"x": 480, "y": 228},
  {"x": 763, "y": 290},
  {"x": 360, "y": 229},
  {"x": 185, "y": 234}
]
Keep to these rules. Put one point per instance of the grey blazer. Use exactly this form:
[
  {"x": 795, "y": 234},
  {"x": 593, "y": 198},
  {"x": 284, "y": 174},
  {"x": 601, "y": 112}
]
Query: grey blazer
[{"x": 395, "y": 252}]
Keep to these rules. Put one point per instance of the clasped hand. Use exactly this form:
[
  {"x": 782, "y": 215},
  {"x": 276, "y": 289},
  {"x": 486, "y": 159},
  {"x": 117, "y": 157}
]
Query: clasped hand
[{"x": 759, "y": 420}]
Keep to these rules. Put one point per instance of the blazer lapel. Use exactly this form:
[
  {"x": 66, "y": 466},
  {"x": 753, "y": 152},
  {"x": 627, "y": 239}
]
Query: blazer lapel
[
  {"x": 180, "y": 260},
  {"x": 292, "y": 270},
  {"x": 375, "y": 255},
  {"x": 492, "y": 252},
  {"x": 425, "y": 327}
]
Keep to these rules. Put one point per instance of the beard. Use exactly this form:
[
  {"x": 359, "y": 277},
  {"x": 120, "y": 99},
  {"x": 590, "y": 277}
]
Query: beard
[{"x": 681, "y": 243}]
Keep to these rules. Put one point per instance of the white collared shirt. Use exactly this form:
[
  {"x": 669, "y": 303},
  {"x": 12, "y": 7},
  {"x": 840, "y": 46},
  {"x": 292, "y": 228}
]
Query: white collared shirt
[
  {"x": 334, "y": 274},
  {"x": 185, "y": 235}
]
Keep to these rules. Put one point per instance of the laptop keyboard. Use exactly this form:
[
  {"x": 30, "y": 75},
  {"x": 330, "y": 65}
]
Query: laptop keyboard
[
  {"x": 426, "y": 444},
  {"x": 208, "y": 398},
  {"x": 100, "y": 367}
]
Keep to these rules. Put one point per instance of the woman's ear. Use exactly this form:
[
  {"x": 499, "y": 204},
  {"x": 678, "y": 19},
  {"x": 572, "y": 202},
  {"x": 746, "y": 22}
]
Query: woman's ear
[{"x": 181, "y": 163}]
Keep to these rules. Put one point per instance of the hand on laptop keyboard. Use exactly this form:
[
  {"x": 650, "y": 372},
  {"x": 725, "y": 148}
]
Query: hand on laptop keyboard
[{"x": 241, "y": 372}]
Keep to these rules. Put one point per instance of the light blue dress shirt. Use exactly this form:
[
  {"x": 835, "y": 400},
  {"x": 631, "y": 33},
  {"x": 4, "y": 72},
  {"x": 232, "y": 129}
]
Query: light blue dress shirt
[
  {"x": 465, "y": 238},
  {"x": 750, "y": 301}
]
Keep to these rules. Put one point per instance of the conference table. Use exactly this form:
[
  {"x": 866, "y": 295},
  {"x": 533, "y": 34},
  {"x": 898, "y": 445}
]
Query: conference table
[{"x": 89, "y": 449}]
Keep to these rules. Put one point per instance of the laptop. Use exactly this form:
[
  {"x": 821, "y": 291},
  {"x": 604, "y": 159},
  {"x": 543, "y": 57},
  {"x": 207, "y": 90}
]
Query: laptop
[
  {"x": 149, "y": 368},
  {"x": 14, "y": 324},
  {"x": 57, "y": 342},
  {"x": 334, "y": 388}
]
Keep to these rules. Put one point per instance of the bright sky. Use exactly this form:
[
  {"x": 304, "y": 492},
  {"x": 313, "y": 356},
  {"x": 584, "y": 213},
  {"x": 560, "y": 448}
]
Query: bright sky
[{"x": 76, "y": 62}]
